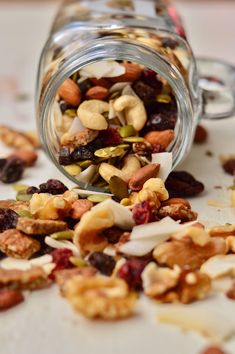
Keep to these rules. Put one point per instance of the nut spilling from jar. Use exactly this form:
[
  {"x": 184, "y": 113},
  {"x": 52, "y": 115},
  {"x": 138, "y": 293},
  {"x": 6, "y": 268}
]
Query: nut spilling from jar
[{"x": 111, "y": 125}]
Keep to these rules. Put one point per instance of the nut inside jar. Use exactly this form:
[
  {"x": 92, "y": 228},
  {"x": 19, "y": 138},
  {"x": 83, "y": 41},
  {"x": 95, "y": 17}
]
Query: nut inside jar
[{"x": 109, "y": 118}]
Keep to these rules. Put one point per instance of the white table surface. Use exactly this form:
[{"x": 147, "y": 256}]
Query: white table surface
[{"x": 45, "y": 323}]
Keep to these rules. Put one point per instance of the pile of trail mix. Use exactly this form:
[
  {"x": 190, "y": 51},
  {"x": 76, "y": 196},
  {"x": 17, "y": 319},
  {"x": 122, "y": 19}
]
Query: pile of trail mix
[{"x": 111, "y": 118}]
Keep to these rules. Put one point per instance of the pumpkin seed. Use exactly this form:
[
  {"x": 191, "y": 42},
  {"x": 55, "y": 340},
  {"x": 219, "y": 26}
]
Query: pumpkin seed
[
  {"x": 126, "y": 131},
  {"x": 118, "y": 187},
  {"x": 111, "y": 151},
  {"x": 25, "y": 214},
  {"x": 163, "y": 98},
  {"x": 23, "y": 197},
  {"x": 63, "y": 235},
  {"x": 97, "y": 198},
  {"x": 77, "y": 262},
  {"x": 73, "y": 169},
  {"x": 20, "y": 187},
  {"x": 133, "y": 139},
  {"x": 70, "y": 113},
  {"x": 85, "y": 164},
  {"x": 124, "y": 146}
]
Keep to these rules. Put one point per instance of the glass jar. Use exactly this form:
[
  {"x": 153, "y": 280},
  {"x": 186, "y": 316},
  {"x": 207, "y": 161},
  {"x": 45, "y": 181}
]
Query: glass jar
[{"x": 100, "y": 51}]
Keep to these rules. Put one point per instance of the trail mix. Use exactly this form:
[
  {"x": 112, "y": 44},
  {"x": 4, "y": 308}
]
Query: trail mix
[{"x": 111, "y": 118}]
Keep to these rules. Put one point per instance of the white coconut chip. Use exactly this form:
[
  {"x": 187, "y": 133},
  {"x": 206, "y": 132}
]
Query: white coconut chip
[
  {"x": 219, "y": 266},
  {"x": 122, "y": 216},
  {"x": 210, "y": 324},
  {"x": 62, "y": 244},
  {"x": 102, "y": 69},
  {"x": 86, "y": 175},
  {"x": 110, "y": 250},
  {"x": 128, "y": 90},
  {"x": 76, "y": 126},
  {"x": 25, "y": 264},
  {"x": 165, "y": 161},
  {"x": 112, "y": 112},
  {"x": 144, "y": 238},
  {"x": 85, "y": 193}
]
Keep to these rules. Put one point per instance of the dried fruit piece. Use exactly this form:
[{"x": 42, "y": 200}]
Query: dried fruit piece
[
  {"x": 64, "y": 156},
  {"x": 183, "y": 184},
  {"x": 17, "y": 245},
  {"x": 161, "y": 121},
  {"x": 60, "y": 258},
  {"x": 200, "y": 135},
  {"x": 8, "y": 219},
  {"x": 229, "y": 166},
  {"x": 70, "y": 92},
  {"x": 53, "y": 186},
  {"x": 109, "y": 137},
  {"x": 10, "y": 298},
  {"x": 12, "y": 170},
  {"x": 143, "y": 213},
  {"x": 146, "y": 93},
  {"x": 131, "y": 272},
  {"x": 103, "y": 262}
]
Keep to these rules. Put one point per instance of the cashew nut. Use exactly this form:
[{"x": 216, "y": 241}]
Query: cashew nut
[
  {"x": 157, "y": 185},
  {"x": 131, "y": 165},
  {"x": 134, "y": 110},
  {"x": 90, "y": 114}
]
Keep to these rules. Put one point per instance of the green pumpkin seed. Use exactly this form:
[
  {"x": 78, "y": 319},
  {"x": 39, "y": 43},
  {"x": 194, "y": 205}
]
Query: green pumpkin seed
[
  {"x": 133, "y": 139},
  {"x": 20, "y": 187},
  {"x": 23, "y": 197},
  {"x": 118, "y": 187},
  {"x": 73, "y": 169},
  {"x": 78, "y": 262},
  {"x": 63, "y": 235},
  {"x": 98, "y": 198},
  {"x": 123, "y": 146},
  {"x": 111, "y": 151},
  {"x": 25, "y": 214},
  {"x": 85, "y": 164},
  {"x": 70, "y": 113},
  {"x": 126, "y": 131},
  {"x": 163, "y": 98}
]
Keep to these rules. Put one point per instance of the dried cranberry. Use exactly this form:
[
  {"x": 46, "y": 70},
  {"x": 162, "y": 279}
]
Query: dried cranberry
[
  {"x": 200, "y": 135},
  {"x": 149, "y": 77},
  {"x": 64, "y": 156},
  {"x": 53, "y": 186},
  {"x": 229, "y": 167},
  {"x": 12, "y": 170},
  {"x": 109, "y": 137},
  {"x": 142, "y": 213},
  {"x": 61, "y": 259},
  {"x": 183, "y": 184},
  {"x": 8, "y": 219},
  {"x": 145, "y": 92},
  {"x": 103, "y": 262},
  {"x": 161, "y": 121},
  {"x": 82, "y": 153},
  {"x": 32, "y": 190},
  {"x": 2, "y": 163},
  {"x": 113, "y": 234},
  {"x": 131, "y": 271}
]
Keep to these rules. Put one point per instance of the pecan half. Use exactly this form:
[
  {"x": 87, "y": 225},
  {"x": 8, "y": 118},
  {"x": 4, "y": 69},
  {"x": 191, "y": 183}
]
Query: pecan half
[
  {"x": 14, "y": 205},
  {"x": 177, "y": 212}
]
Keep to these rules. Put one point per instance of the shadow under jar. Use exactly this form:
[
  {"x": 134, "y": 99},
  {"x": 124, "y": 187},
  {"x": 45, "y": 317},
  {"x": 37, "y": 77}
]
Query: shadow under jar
[{"x": 117, "y": 83}]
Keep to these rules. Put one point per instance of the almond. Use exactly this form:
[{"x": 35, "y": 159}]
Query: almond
[
  {"x": 70, "y": 92},
  {"x": 142, "y": 175},
  {"x": 101, "y": 82},
  {"x": 133, "y": 72},
  {"x": 97, "y": 93},
  {"x": 28, "y": 156},
  {"x": 163, "y": 138},
  {"x": 181, "y": 201}
]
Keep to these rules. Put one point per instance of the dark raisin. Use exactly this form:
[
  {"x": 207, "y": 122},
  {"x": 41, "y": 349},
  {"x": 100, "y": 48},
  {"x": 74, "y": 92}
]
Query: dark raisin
[
  {"x": 229, "y": 167},
  {"x": 64, "y": 156},
  {"x": 200, "y": 135},
  {"x": 142, "y": 213},
  {"x": 61, "y": 259},
  {"x": 64, "y": 106},
  {"x": 32, "y": 190},
  {"x": 85, "y": 85},
  {"x": 149, "y": 77},
  {"x": 146, "y": 93},
  {"x": 53, "y": 186},
  {"x": 183, "y": 184},
  {"x": 113, "y": 234},
  {"x": 2, "y": 163},
  {"x": 103, "y": 262},
  {"x": 168, "y": 42},
  {"x": 161, "y": 121},
  {"x": 131, "y": 271},
  {"x": 12, "y": 171},
  {"x": 8, "y": 219},
  {"x": 82, "y": 153},
  {"x": 109, "y": 137}
]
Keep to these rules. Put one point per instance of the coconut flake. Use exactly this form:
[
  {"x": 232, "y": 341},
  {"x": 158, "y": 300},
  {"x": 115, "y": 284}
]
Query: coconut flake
[
  {"x": 110, "y": 250},
  {"x": 76, "y": 126},
  {"x": 118, "y": 86},
  {"x": 144, "y": 238},
  {"x": 210, "y": 324},
  {"x": 62, "y": 244},
  {"x": 165, "y": 161},
  {"x": 86, "y": 175},
  {"x": 219, "y": 266},
  {"x": 102, "y": 69},
  {"x": 128, "y": 90},
  {"x": 122, "y": 216},
  {"x": 25, "y": 264}
]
